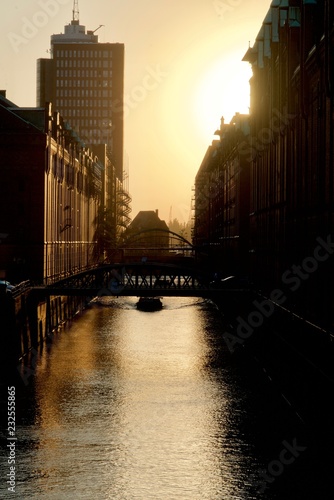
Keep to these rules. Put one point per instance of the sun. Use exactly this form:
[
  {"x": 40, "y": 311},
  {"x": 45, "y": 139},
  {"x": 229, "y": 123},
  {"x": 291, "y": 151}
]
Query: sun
[{"x": 221, "y": 92}]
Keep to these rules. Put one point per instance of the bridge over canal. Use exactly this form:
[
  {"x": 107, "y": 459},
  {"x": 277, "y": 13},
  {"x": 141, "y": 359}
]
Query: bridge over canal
[
  {"x": 138, "y": 279},
  {"x": 152, "y": 262}
]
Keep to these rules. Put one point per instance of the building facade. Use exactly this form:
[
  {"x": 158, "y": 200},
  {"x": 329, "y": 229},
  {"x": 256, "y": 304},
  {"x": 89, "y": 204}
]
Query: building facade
[
  {"x": 288, "y": 155},
  {"x": 84, "y": 79},
  {"x": 291, "y": 189},
  {"x": 222, "y": 200},
  {"x": 52, "y": 188}
]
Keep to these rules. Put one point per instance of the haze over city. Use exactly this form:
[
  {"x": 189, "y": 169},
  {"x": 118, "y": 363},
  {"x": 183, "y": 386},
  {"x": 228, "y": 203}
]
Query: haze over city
[
  {"x": 184, "y": 350},
  {"x": 183, "y": 71}
]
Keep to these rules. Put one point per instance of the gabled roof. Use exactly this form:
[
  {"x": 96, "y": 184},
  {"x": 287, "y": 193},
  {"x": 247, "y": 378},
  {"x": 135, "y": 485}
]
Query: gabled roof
[
  {"x": 10, "y": 120},
  {"x": 20, "y": 117},
  {"x": 33, "y": 116},
  {"x": 147, "y": 219},
  {"x": 6, "y": 102}
]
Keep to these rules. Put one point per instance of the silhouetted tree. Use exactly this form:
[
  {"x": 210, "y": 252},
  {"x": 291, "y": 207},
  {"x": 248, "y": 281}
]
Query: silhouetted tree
[
  {"x": 181, "y": 228},
  {"x": 104, "y": 234}
]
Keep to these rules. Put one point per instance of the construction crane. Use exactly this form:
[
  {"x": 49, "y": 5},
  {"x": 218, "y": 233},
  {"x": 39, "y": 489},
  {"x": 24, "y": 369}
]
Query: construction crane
[
  {"x": 170, "y": 214},
  {"x": 98, "y": 28}
]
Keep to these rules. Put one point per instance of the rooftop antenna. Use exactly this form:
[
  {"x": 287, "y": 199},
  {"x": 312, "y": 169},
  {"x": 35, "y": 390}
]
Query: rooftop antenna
[{"x": 75, "y": 11}]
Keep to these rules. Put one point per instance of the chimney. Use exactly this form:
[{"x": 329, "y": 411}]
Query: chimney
[
  {"x": 157, "y": 212},
  {"x": 3, "y": 93}
]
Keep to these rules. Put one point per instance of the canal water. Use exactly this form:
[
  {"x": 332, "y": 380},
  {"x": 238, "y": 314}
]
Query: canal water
[{"x": 126, "y": 405}]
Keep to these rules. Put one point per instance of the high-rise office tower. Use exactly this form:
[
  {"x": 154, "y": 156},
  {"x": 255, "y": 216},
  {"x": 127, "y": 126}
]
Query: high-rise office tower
[{"x": 84, "y": 79}]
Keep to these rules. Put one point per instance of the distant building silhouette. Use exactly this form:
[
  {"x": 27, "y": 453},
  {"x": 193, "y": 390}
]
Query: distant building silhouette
[
  {"x": 222, "y": 199},
  {"x": 146, "y": 232},
  {"x": 84, "y": 79}
]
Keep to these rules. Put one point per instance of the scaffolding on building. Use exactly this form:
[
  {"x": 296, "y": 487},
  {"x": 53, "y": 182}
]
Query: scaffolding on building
[{"x": 123, "y": 205}]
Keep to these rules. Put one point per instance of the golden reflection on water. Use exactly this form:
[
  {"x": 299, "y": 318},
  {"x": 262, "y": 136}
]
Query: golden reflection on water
[{"x": 128, "y": 408}]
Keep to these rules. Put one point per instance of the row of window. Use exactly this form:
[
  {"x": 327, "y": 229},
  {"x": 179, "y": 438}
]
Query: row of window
[
  {"x": 82, "y": 103},
  {"x": 84, "y": 93},
  {"x": 77, "y": 179},
  {"x": 88, "y": 63},
  {"x": 90, "y": 122},
  {"x": 105, "y": 54},
  {"x": 98, "y": 82},
  {"x": 95, "y": 136},
  {"x": 69, "y": 73},
  {"x": 99, "y": 115}
]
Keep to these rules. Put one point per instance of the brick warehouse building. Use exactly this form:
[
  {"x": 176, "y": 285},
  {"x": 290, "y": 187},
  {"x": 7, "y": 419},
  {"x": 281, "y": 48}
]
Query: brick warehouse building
[
  {"x": 289, "y": 156},
  {"x": 52, "y": 188},
  {"x": 222, "y": 200}
]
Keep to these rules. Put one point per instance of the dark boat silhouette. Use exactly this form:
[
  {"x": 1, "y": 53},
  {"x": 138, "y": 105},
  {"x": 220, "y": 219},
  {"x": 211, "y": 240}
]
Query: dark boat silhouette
[{"x": 149, "y": 304}]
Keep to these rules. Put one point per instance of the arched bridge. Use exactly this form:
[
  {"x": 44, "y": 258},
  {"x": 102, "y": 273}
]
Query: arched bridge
[
  {"x": 152, "y": 262},
  {"x": 156, "y": 243},
  {"x": 135, "y": 279}
]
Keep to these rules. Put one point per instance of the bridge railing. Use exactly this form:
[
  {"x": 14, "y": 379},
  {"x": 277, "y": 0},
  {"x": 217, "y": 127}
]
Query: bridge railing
[
  {"x": 140, "y": 278},
  {"x": 154, "y": 282},
  {"x": 20, "y": 288},
  {"x": 55, "y": 278}
]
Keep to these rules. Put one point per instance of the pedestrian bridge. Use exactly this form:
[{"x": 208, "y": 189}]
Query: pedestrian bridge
[{"x": 135, "y": 279}]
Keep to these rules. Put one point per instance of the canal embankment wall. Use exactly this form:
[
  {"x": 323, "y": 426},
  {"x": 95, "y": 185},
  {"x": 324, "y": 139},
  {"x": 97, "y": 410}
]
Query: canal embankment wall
[
  {"x": 27, "y": 320},
  {"x": 295, "y": 355}
]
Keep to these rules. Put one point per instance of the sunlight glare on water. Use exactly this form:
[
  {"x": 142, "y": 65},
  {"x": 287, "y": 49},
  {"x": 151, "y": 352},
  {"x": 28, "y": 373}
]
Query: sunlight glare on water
[{"x": 127, "y": 406}]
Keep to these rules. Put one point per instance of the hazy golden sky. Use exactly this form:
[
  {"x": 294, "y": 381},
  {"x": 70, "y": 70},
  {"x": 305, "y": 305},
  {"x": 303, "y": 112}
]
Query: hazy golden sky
[{"x": 183, "y": 71}]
